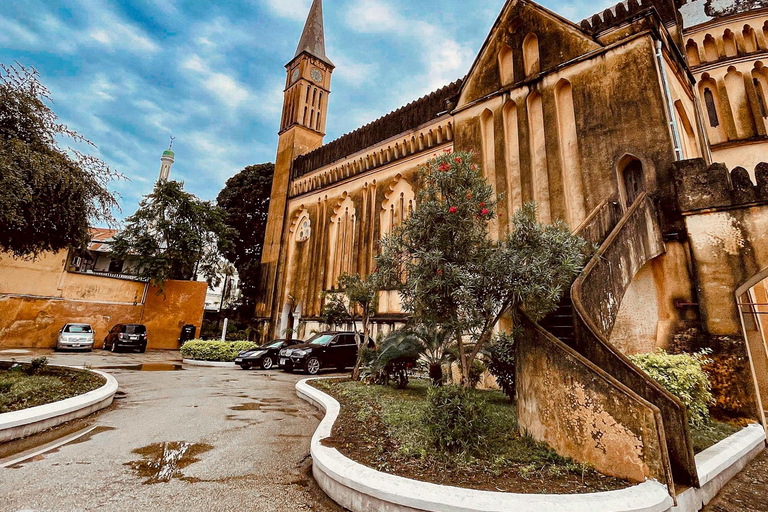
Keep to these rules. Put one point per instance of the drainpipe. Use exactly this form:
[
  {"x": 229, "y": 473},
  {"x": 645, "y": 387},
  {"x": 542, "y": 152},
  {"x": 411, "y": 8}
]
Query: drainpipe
[{"x": 670, "y": 105}]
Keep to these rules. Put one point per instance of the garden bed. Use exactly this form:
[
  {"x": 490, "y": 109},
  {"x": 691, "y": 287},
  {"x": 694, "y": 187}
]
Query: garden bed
[
  {"x": 22, "y": 387},
  {"x": 381, "y": 427}
]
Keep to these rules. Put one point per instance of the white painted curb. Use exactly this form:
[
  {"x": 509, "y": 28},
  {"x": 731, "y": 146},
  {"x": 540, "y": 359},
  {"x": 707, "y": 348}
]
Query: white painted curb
[
  {"x": 210, "y": 364},
  {"x": 362, "y": 489},
  {"x": 18, "y": 424}
]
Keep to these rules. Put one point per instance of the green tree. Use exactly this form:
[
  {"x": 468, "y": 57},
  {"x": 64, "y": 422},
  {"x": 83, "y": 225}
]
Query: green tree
[
  {"x": 173, "y": 235},
  {"x": 449, "y": 271},
  {"x": 358, "y": 297},
  {"x": 49, "y": 196},
  {"x": 245, "y": 200}
]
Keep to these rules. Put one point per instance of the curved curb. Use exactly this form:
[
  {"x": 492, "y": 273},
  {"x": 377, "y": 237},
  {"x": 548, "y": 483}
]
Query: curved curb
[
  {"x": 362, "y": 489},
  {"x": 209, "y": 364},
  {"x": 18, "y": 424}
]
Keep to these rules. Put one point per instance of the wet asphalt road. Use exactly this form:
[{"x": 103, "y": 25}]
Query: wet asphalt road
[{"x": 247, "y": 429}]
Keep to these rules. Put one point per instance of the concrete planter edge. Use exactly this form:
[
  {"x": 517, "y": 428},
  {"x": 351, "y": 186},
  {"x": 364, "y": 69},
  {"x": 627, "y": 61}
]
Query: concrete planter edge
[
  {"x": 209, "y": 364},
  {"x": 26, "y": 422}
]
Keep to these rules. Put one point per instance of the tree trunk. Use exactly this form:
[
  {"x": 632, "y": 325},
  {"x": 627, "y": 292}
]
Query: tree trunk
[{"x": 463, "y": 362}]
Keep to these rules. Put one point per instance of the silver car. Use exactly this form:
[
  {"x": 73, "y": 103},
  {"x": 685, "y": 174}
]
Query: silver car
[{"x": 79, "y": 336}]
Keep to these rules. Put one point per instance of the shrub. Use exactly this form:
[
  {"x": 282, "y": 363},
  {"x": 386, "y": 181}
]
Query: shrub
[
  {"x": 501, "y": 363},
  {"x": 37, "y": 364},
  {"x": 682, "y": 375},
  {"x": 394, "y": 359},
  {"x": 455, "y": 419},
  {"x": 217, "y": 351}
]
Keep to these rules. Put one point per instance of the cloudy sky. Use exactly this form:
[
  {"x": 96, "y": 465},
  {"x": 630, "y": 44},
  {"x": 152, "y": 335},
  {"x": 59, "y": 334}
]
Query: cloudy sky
[{"x": 128, "y": 74}]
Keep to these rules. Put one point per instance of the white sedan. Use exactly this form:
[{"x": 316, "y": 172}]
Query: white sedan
[{"x": 75, "y": 336}]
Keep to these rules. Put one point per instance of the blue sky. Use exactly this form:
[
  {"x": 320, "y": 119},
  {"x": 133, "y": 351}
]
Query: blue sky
[{"x": 128, "y": 74}]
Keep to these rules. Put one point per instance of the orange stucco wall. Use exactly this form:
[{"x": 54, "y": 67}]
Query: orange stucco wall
[{"x": 37, "y": 297}]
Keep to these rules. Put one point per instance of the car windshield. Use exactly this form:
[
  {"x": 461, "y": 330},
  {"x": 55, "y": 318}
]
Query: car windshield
[
  {"x": 276, "y": 344},
  {"x": 78, "y": 328},
  {"x": 322, "y": 339},
  {"x": 135, "y": 329}
]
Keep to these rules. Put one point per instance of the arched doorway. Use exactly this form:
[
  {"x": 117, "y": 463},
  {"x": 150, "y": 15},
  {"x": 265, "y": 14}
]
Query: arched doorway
[{"x": 632, "y": 179}]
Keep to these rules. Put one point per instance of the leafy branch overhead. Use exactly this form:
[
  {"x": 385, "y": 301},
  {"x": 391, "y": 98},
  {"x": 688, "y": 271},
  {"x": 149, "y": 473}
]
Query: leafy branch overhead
[
  {"x": 174, "y": 235},
  {"x": 49, "y": 196}
]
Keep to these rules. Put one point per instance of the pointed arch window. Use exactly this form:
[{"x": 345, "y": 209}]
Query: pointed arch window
[
  {"x": 709, "y": 102},
  {"x": 506, "y": 70},
  {"x": 531, "y": 54}
]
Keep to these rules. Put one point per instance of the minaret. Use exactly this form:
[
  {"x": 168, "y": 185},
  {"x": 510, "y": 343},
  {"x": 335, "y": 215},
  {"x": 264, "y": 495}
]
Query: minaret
[
  {"x": 166, "y": 161},
  {"x": 305, "y": 105}
]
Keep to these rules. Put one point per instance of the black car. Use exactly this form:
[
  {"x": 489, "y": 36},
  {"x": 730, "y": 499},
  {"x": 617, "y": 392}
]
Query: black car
[
  {"x": 265, "y": 357},
  {"x": 132, "y": 336},
  {"x": 325, "y": 350}
]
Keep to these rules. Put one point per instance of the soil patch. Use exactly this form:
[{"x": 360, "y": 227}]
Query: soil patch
[
  {"x": 381, "y": 427},
  {"x": 23, "y": 386}
]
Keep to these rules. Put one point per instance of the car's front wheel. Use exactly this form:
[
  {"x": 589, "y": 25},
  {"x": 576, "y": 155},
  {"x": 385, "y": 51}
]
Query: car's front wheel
[
  {"x": 312, "y": 366},
  {"x": 267, "y": 363}
]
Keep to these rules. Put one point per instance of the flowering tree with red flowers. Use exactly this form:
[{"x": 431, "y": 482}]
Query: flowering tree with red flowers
[{"x": 451, "y": 274}]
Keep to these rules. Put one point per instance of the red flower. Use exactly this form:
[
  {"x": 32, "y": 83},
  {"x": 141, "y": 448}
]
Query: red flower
[
  {"x": 482, "y": 205},
  {"x": 469, "y": 195},
  {"x": 458, "y": 160},
  {"x": 499, "y": 215},
  {"x": 444, "y": 166},
  {"x": 474, "y": 167},
  {"x": 439, "y": 272},
  {"x": 453, "y": 209},
  {"x": 484, "y": 212}
]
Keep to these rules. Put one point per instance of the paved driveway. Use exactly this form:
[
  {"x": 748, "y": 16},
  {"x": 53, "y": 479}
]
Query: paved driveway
[{"x": 235, "y": 439}]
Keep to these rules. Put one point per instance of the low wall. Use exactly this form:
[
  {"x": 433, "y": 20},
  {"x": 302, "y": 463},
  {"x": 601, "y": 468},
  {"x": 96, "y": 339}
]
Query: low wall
[{"x": 583, "y": 413}]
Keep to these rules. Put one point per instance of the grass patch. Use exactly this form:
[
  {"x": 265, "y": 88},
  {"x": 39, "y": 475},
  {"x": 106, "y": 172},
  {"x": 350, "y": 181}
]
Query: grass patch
[
  {"x": 711, "y": 434},
  {"x": 23, "y": 386},
  {"x": 382, "y": 427}
]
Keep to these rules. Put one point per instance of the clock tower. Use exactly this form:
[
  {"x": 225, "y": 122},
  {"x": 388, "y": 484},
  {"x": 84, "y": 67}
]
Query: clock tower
[{"x": 302, "y": 128}]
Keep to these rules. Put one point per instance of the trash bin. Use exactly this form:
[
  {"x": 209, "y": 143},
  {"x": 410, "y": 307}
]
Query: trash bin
[{"x": 187, "y": 333}]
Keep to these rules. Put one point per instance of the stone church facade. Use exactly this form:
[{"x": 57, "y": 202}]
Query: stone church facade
[{"x": 643, "y": 128}]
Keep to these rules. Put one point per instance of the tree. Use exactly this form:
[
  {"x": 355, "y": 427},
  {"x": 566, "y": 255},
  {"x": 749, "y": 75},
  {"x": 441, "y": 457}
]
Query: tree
[
  {"x": 49, "y": 196},
  {"x": 173, "y": 235},
  {"x": 245, "y": 200},
  {"x": 358, "y": 297},
  {"x": 451, "y": 274}
]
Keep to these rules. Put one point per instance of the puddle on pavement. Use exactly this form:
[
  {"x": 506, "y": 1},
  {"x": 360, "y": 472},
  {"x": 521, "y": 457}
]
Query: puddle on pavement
[
  {"x": 148, "y": 367},
  {"x": 163, "y": 461},
  {"x": 268, "y": 405},
  {"x": 53, "y": 438}
]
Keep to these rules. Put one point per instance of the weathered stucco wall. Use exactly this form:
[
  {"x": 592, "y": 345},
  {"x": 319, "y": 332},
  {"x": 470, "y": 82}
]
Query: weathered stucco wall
[
  {"x": 37, "y": 297},
  {"x": 584, "y": 413}
]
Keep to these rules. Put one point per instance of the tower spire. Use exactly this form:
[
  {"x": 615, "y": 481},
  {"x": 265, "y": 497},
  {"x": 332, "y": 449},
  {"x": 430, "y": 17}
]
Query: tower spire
[
  {"x": 166, "y": 162},
  {"x": 313, "y": 38}
]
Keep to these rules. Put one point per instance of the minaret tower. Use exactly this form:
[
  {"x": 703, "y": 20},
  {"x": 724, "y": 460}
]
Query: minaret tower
[
  {"x": 166, "y": 161},
  {"x": 305, "y": 105}
]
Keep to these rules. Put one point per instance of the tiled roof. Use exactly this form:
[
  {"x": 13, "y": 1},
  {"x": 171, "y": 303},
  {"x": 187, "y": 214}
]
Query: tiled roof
[
  {"x": 101, "y": 238},
  {"x": 405, "y": 118}
]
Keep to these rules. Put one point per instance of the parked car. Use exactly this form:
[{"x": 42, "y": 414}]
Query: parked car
[
  {"x": 263, "y": 357},
  {"x": 75, "y": 336},
  {"x": 325, "y": 350},
  {"x": 132, "y": 336}
]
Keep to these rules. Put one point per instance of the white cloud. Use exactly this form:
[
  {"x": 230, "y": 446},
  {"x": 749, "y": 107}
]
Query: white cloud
[
  {"x": 225, "y": 88},
  {"x": 293, "y": 9}
]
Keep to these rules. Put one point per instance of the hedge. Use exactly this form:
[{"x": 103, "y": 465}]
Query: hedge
[{"x": 218, "y": 351}]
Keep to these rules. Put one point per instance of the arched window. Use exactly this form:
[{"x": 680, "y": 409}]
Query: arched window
[
  {"x": 632, "y": 179},
  {"x": 506, "y": 69},
  {"x": 306, "y": 111},
  {"x": 692, "y": 51},
  {"x": 531, "y": 54},
  {"x": 710, "y": 49},
  {"x": 570, "y": 160},
  {"x": 488, "y": 136},
  {"x": 729, "y": 44},
  {"x": 739, "y": 103},
  {"x": 512, "y": 142},
  {"x": 750, "y": 39},
  {"x": 398, "y": 204},
  {"x": 687, "y": 134},
  {"x": 303, "y": 228},
  {"x": 709, "y": 101},
  {"x": 342, "y": 240}
]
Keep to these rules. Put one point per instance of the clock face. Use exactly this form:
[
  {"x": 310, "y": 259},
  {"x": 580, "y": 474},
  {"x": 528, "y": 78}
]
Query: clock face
[
  {"x": 295, "y": 75},
  {"x": 316, "y": 75}
]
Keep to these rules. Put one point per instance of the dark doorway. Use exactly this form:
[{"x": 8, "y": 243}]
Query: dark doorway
[{"x": 634, "y": 180}]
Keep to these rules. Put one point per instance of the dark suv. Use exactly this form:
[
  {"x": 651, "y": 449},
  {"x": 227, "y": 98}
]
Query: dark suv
[
  {"x": 132, "y": 336},
  {"x": 325, "y": 350}
]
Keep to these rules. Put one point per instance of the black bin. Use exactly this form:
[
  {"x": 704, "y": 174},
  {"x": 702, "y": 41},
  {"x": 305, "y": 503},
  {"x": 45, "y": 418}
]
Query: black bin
[{"x": 187, "y": 333}]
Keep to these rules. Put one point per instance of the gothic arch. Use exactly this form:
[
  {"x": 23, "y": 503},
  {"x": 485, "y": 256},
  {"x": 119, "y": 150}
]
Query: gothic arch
[
  {"x": 710, "y": 97},
  {"x": 570, "y": 159},
  {"x": 506, "y": 68},
  {"x": 739, "y": 103},
  {"x": 512, "y": 144},
  {"x": 531, "y": 54},
  {"x": 399, "y": 202},
  {"x": 687, "y": 132},
  {"x": 729, "y": 43},
  {"x": 488, "y": 137},
  {"x": 538, "y": 154},
  {"x": 632, "y": 177},
  {"x": 343, "y": 230},
  {"x": 710, "y": 49},
  {"x": 750, "y": 39},
  {"x": 692, "y": 51}
]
